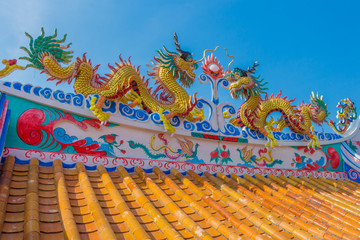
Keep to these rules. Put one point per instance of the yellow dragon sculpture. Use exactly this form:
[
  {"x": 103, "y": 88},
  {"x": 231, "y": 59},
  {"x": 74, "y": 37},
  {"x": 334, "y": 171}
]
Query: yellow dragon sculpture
[
  {"x": 254, "y": 112},
  {"x": 124, "y": 83}
]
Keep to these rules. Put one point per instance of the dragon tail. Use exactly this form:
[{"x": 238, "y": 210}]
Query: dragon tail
[{"x": 45, "y": 46}]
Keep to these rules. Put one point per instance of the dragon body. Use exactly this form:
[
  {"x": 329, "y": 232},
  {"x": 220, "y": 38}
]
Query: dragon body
[
  {"x": 255, "y": 111},
  {"x": 124, "y": 83}
]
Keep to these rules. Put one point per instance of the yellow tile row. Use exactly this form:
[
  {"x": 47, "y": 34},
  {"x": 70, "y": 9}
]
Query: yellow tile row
[{"x": 102, "y": 205}]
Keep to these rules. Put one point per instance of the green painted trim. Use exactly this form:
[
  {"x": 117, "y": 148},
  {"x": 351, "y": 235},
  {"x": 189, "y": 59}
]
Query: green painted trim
[{"x": 219, "y": 138}]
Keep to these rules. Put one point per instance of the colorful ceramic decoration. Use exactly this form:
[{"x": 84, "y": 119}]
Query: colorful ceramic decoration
[
  {"x": 124, "y": 83},
  {"x": 44, "y": 131},
  {"x": 51, "y": 123},
  {"x": 263, "y": 159},
  {"x": 346, "y": 115},
  {"x": 187, "y": 151},
  {"x": 255, "y": 111}
]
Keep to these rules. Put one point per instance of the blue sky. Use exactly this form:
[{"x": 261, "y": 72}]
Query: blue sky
[{"x": 301, "y": 46}]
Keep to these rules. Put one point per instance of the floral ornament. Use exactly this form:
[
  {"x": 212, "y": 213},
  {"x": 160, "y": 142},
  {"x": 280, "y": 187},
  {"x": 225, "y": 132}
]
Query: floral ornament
[
  {"x": 110, "y": 139},
  {"x": 306, "y": 149},
  {"x": 221, "y": 154},
  {"x": 298, "y": 161},
  {"x": 305, "y": 163}
]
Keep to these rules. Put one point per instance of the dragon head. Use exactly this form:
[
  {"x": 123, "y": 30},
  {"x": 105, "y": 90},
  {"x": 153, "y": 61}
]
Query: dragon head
[
  {"x": 180, "y": 64},
  {"x": 243, "y": 83}
]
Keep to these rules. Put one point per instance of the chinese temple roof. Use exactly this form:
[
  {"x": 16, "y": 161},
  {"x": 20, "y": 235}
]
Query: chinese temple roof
[{"x": 39, "y": 202}]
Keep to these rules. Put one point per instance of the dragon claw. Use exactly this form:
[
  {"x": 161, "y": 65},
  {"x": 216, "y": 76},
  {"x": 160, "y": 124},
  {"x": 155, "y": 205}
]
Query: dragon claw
[
  {"x": 166, "y": 122},
  {"x": 272, "y": 142},
  {"x": 98, "y": 111},
  {"x": 314, "y": 141}
]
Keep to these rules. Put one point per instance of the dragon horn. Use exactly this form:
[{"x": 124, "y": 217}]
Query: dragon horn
[
  {"x": 177, "y": 45},
  {"x": 227, "y": 53},
  {"x": 205, "y": 53},
  {"x": 253, "y": 68}
]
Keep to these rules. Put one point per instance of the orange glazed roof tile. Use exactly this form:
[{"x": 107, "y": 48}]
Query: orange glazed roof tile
[{"x": 60, "y": 203}]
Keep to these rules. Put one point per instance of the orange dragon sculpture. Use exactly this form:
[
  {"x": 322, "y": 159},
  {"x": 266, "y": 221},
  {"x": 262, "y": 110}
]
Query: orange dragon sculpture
[
  {"x": 124, "y": 83},
  {"x": 254, "y": 112}
]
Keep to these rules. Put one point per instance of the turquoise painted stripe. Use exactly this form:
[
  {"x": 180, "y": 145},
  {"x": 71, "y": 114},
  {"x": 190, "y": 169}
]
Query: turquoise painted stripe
[{"x": 350, "y": 157}]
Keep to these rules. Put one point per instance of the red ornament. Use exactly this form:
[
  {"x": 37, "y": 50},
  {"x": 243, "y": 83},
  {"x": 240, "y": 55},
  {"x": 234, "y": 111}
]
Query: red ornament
[
  {"x": 214, "y": 154},
  {"x": 334, "y": 157},
  {"x": 298, "y": 159},
  {"x": 12, "y": 61},
  {"x": 224, "y": 154},
  {"x": 110, "y": 138}
]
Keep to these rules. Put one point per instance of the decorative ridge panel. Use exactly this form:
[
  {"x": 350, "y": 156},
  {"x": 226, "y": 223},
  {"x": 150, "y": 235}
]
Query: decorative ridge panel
[
  {"x": 123, "y": 114},
  {"x": 69, "y": 160}
]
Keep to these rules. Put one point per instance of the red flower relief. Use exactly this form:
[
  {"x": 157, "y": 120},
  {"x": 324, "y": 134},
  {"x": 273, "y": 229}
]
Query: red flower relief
[
  {"x": 298, "y": 159},
  {"x": 214, "y": 154},
  {"x": 110, "y": 138},
  {"x": 224, "y": 154}
]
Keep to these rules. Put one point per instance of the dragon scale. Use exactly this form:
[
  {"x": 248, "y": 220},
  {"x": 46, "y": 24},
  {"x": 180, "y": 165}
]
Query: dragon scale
[
  {"x": 124, "y": 83},
  {"x": 254, "y": 112}
]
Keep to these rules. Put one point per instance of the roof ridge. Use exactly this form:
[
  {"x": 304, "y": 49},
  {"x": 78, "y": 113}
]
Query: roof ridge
[
  {"x": 326, "y": 196},
  {"x": 104, "y": 228},
  {"x": 31, "y": 220},
  {"x": 288, "y": 226},
  {"x": 310, "y": 214},
  {"x": 340, "y": 192},
  {"x": 240, "y": 225},
  {"x": 67, "y": 217},
  {"x": 132, "y": 223},
  {"x": 213, "y": 221},
  {"x": 5, "y": 180},
  {"x": 272, "y": 232},
  {"x": 284, "y": 210},
  {"x": 181, "y": 216},
  {"x": 145, "y": 203},
  {"x": 325, "y": 207}
]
